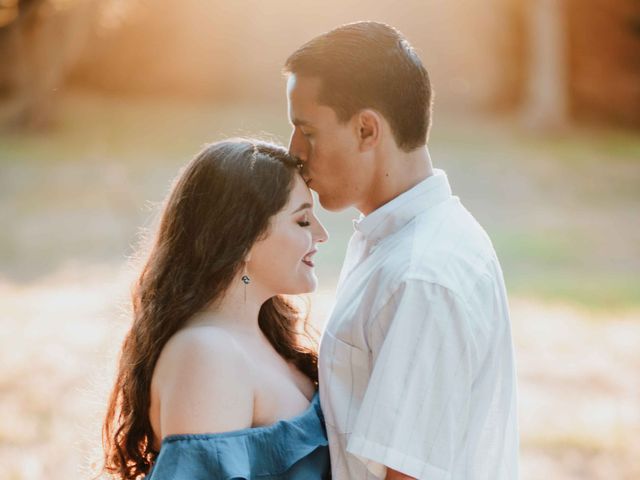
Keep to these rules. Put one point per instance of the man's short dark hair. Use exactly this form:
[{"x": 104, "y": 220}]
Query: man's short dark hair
[{"x": 369, "y": 65}]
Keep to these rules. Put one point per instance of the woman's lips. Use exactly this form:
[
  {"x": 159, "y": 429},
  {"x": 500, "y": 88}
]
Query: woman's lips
[{"x": 307, "y": 259}]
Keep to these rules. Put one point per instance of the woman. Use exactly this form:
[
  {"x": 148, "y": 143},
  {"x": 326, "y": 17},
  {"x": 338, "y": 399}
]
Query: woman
[{"x": 213, "y": 379}]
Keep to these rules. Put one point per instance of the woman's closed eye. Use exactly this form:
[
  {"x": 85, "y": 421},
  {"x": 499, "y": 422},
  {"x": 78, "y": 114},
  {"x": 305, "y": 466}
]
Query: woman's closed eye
[{"x": 304, "y": 223}]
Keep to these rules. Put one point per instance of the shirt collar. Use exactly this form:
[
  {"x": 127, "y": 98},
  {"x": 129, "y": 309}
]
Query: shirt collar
[{"x": 395, "y": 214}]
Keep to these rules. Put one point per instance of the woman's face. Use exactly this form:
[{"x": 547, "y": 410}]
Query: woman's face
[{"x": 282, "y": 263}]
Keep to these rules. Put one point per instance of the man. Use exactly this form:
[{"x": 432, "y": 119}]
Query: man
[{"x": 417, "y": 375}]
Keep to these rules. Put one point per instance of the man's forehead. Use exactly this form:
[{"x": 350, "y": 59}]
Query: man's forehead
[
  {"x": 303, "y": 88},
  {"x": 304, "y": 108}
]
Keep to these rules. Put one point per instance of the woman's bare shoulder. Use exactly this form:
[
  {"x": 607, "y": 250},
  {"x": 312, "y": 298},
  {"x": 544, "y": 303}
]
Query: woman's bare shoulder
[
  {"x": 203, "y": 342},
  {"x": 203, "y": 382}
]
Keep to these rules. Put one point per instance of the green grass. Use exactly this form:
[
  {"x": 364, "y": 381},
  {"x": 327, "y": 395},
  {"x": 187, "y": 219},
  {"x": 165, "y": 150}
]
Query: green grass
[
  {"x": 564, "y": 265},
  {"x": 600, "y": 292}
]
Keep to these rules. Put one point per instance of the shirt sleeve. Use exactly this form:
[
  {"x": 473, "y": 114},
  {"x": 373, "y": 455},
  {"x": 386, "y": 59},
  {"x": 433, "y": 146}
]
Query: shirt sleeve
[{"x": 415, "y": 409}]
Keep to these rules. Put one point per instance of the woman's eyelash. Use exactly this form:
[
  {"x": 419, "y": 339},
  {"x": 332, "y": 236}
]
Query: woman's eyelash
[{"x": 304, "y": 223}]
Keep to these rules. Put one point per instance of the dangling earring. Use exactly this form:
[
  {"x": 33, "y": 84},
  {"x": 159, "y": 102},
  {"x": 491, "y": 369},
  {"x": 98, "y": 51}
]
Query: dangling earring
[{"x": 246, "y": 280}]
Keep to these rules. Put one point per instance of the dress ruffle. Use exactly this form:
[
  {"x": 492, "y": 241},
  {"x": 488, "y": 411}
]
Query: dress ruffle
[{"x": 293, "y": 449}]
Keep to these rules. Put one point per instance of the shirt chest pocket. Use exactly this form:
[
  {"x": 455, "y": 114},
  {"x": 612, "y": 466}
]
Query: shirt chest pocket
[{"x": 344, "y": 375}]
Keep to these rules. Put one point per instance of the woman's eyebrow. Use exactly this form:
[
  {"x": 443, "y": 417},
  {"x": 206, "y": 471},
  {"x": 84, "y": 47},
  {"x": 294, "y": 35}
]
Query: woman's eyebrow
[{"x": 302, "y": 207}]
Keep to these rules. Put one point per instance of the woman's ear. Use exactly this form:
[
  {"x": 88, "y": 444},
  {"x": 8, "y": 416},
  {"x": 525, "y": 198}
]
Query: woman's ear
[{"x": 369, "y": 129}]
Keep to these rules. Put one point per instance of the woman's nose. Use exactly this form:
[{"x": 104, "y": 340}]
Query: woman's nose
[{"x": 321, "y": 234}]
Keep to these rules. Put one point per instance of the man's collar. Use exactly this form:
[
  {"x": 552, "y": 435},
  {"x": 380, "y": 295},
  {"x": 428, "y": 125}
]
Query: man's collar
[{"x": 395, "y": 214}]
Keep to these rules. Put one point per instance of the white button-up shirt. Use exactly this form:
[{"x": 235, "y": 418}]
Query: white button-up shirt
[{"x": 416, "y": 363}]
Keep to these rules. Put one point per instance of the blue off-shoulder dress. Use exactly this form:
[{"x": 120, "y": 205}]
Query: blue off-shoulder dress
[{"x": 294, "y": 449}]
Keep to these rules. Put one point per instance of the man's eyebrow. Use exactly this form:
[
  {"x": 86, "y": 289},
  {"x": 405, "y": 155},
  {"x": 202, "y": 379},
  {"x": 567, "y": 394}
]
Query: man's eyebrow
[
  {"x": 298, "y": 122},
  {"x": 303, "y": 207}
]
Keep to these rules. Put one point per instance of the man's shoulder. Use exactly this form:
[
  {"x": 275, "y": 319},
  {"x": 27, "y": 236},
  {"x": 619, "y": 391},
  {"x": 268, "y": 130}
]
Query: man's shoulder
[
  {"x": 448, "y": 223},
  {"x": 447, "y": 248},
  {"x": 450, "y": 250}
]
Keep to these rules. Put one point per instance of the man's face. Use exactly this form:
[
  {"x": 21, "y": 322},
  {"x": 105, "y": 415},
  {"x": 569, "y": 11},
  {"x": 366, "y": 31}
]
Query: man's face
[{"x": 329, "y": 150}]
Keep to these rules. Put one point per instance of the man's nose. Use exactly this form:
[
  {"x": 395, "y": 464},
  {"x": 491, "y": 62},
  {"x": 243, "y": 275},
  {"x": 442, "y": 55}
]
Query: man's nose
[{"x": 296, "y": 146}]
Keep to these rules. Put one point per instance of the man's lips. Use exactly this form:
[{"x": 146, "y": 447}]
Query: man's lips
[{"x": 306, "y": 177}]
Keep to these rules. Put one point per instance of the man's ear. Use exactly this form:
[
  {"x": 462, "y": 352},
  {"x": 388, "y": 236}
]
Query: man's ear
[{"x": 369, "y": 129}]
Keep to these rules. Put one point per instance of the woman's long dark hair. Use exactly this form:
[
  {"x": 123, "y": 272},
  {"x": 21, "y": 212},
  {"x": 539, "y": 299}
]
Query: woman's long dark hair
[{"x": 219, "y": 206}]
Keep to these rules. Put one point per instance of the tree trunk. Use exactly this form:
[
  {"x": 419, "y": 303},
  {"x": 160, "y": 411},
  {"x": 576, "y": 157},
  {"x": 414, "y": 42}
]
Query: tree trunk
[{"x": 547, "y": 96}]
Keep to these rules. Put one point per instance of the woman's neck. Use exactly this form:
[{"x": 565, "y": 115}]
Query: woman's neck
[{"x": 237, "y": 310}]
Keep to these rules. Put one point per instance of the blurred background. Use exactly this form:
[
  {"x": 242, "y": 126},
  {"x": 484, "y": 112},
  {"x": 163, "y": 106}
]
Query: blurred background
[{"x": 536, "y": 121}]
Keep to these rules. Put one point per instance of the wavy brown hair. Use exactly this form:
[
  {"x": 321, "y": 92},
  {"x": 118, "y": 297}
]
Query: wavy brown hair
[{"x": 218, "y": 207}]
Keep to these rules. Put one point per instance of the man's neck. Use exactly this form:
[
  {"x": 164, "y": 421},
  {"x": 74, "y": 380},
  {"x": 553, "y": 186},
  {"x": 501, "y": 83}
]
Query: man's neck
[{"x": 398, "y": 173}]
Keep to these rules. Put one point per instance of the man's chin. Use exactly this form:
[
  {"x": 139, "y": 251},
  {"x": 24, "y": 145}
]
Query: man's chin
[{"x": 330, "y": 203}]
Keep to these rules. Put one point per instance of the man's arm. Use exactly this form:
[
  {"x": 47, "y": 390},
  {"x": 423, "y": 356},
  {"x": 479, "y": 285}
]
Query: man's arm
[{"x": 395, "y": 475}]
